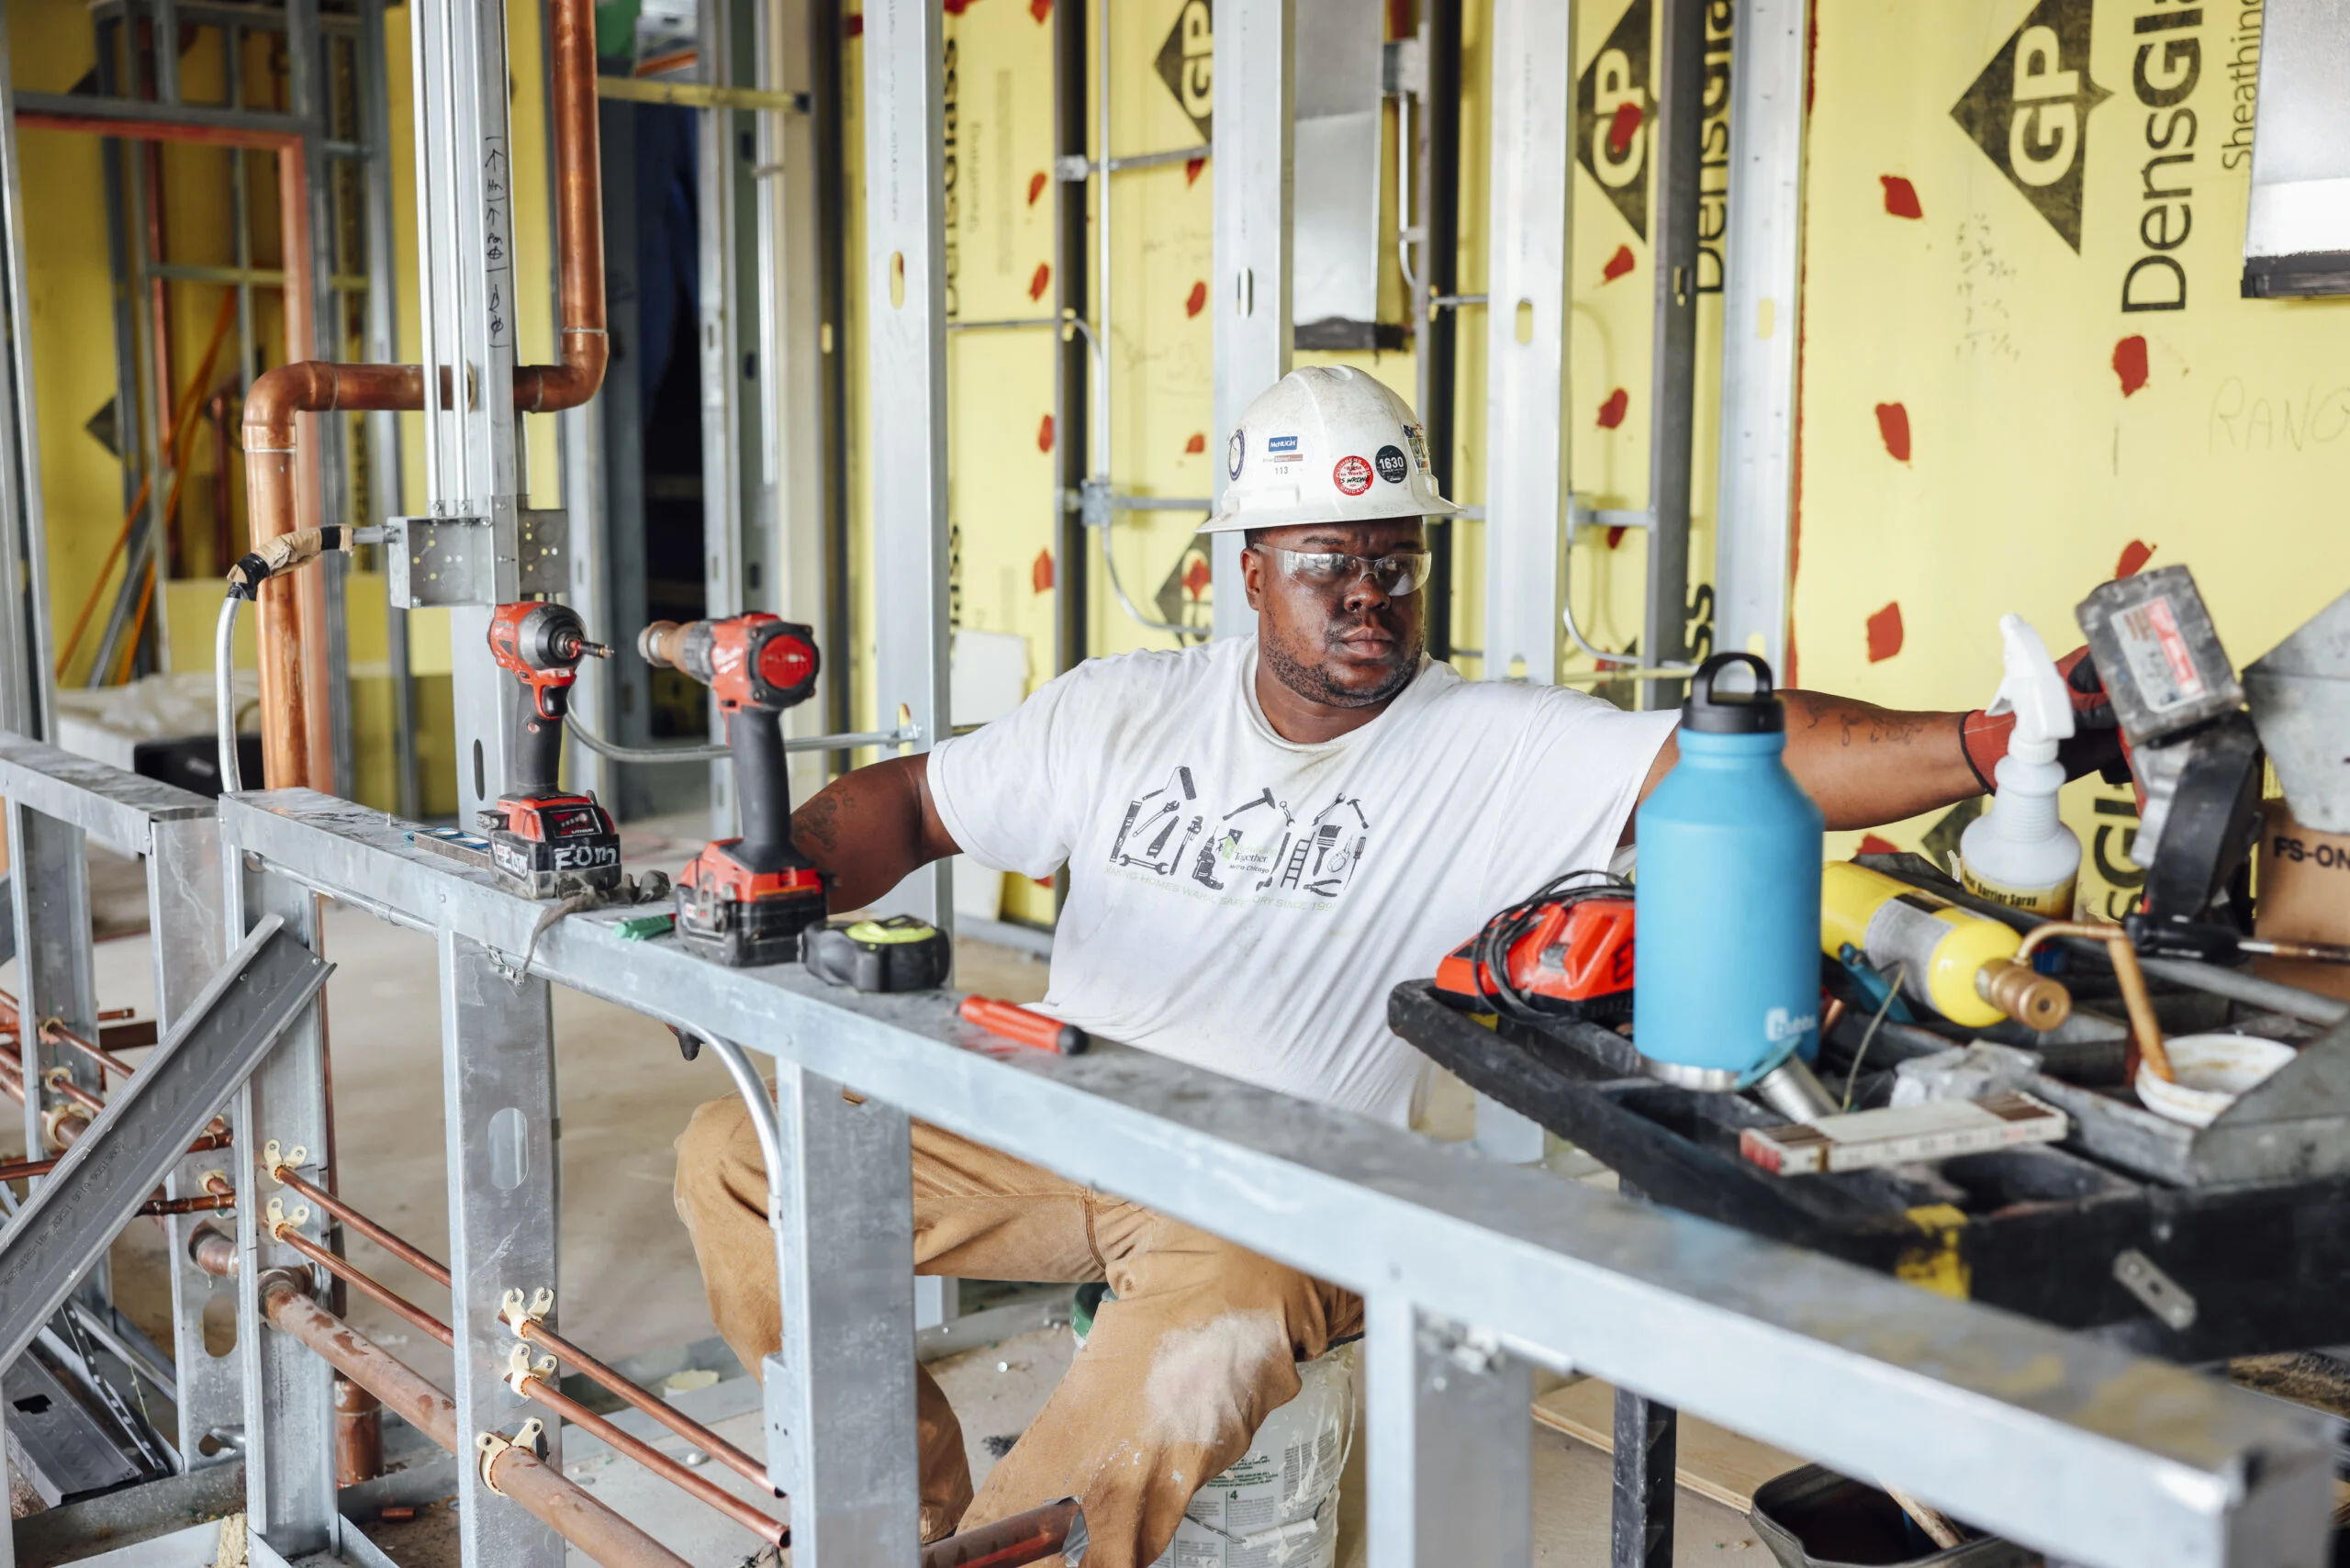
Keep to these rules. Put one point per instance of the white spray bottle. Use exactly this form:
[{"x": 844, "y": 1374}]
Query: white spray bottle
[{"x": 2017, "y": 852}]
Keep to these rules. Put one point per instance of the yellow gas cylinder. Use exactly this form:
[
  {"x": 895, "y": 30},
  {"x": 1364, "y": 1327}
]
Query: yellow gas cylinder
[{"x": 1952, "y": 959}]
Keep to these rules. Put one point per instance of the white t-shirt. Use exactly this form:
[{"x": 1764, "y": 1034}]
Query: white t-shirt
[{"x": 1246, "y": 903}]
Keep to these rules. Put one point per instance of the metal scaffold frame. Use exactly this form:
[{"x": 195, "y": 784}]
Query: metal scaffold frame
[{"x": 1473, "y": 1273}]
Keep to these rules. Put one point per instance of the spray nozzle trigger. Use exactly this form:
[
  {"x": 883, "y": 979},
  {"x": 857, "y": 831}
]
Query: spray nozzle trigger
[{"x": 2033, "y": 691}]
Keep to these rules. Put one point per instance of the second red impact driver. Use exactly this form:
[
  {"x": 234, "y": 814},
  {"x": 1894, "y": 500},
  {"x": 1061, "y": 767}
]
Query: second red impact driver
[
  {"x": 745, "y": 902},
  {"x": 544, "y": 839}
]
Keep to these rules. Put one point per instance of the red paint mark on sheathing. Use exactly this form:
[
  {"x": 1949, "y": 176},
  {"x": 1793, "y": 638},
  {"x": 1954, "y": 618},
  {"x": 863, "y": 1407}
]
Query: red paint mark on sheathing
[
  {"x": 1191, "y": 167},
  {"x": 1040, "y": 572},
  {"x": 1041, "y": 282},
  {"x": 2135, "y": 556},
  {"x": 1197, "y": 445},
  {"x": 1611, "y": 412},
  {"x": 853, "y": 25},
  {"x": 1885, "y": 632},
  {"x": 1901, "y": 196},
  {"x": 1893, "y": 424},
  {"x": 1041, "y": 10},
  {"x": 1044, "y": 434},
  {"x": 956, "y": 7},
  {"x": 2129, "y": 363},
  {"x": 1871, "y": 844},
  {"x": 1042, "y": 881},
  {"x": 1195, "y": 576},
  {"x": 1620, "y": 129},
  {"x": 1197, "y": 301},
  {"x": 1036, "y": 184},
  {"x": 1616, "y": 537},
  {"x": 1618, "y": 265}
]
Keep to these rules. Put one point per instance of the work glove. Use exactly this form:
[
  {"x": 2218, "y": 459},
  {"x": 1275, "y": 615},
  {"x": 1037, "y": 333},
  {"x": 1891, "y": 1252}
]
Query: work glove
[{"x": 2095, "y": 745}]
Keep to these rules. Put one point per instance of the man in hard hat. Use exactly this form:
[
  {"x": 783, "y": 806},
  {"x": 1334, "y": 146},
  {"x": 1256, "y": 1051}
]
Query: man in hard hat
[{"x": 1264, "y": 835}]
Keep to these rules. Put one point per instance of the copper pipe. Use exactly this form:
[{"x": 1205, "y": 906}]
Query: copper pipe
[
  {"x": 214, "y": 1251},
  {"x": 54, "y": 1031},
  {"x": 210, "y": 1203},
  {"x": 288, "y": 755},
  {"x": 407, "y": 1252},
  {"x": 75, "y": 1092},
  {"x": 358, "y": 1434},
  {"x": 772, "y": 1531},
  {"x": 539, "y": 1334},
  {"x": 2145, "y": 1030},
  {"x": 582, "y": 347},
  {"x": 1024, "y": 1538},
  {"x": 514, "y": 1473},
  {"x": 368, "y": 1286},
  {"x": 292, "y": 714},
  {"x": 661, "y": 1410}
]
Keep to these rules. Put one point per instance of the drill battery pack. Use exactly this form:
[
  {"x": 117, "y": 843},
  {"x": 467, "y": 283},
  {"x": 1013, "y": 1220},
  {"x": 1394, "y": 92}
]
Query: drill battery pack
[
  {"x": 1563, "y": 959},
  {"x": 552, "y": 845},
  {"x": 742, "y": 918}
]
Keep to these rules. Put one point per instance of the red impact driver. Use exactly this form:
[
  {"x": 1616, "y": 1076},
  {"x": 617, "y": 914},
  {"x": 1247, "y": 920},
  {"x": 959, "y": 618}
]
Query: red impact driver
[
  {"x": 745, "y": 902},
  {"x": 548, "y": 841}
]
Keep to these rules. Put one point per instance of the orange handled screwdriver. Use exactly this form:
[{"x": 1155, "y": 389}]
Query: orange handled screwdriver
[{"x": 1014, "y": 1022}]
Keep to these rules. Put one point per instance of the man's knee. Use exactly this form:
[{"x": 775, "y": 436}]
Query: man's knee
[{"x": 718, "y": 1156}]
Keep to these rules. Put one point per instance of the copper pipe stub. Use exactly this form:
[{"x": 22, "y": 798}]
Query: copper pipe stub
[{"x": 2145, "y": 1030}]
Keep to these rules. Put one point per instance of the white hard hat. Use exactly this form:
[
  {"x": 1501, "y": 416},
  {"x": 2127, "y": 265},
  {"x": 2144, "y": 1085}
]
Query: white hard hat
[{"x": 1326, "y": 444}]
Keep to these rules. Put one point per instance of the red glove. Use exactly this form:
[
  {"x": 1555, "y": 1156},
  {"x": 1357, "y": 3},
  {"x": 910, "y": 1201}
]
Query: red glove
[{"x": 2095, "y": 745}]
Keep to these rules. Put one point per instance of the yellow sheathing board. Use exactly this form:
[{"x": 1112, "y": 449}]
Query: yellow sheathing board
[{"x": 2036, "y": 460}]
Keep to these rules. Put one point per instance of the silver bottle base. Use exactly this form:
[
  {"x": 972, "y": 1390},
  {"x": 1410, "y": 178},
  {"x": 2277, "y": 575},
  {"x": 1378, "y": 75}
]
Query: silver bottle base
[{"x": 1791, "y": 1088}]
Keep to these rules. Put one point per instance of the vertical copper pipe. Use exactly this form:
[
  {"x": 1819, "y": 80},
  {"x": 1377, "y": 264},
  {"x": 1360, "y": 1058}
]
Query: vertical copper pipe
[
  {"x": 582, "y": 347},
  {"x": 515, "y": 1474},
  {"x": 296, "y": 728},
  {"x": 358, "y": 1434}
]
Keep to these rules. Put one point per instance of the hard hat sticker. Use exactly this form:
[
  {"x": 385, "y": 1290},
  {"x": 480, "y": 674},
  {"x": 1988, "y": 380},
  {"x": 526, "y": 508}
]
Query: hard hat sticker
[
  {"x": 1352, "y": 475},
  {"x": 1390, "y": 462},
  {"x": 1419, "y": 441},
  {"x": 1281, "y": 443},
  {"x": 1234, "y": 452}
]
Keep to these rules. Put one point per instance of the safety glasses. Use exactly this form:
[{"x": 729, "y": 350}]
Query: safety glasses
[{"x": 1394, "y": 576}]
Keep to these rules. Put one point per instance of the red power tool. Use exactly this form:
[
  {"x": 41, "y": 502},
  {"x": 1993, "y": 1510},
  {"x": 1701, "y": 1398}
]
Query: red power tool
[
  {"x": 548, "y": 841},
  {"x": 1564, "y": 953},
  {"x": 745, "y": 902}
]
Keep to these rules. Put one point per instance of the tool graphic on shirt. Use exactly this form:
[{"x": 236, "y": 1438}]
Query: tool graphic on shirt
[
  {"x": 1159, "y": 826},
  {"x": 1258, "y": 846}
]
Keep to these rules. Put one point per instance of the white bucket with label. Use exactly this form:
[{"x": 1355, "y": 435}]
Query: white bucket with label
[{"x": 1277, "y": 1506}]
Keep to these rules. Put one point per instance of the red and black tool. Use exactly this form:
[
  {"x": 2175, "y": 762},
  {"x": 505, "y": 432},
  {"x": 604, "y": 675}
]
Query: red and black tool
[
  {"x": 1025, "y": 1025},
  {"x": 544, "y": 839},
  {"x": 1564, "y": 953},
  {"x": 745, "y": 902}
]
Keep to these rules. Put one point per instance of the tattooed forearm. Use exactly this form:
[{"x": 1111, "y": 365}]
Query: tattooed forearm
[{"x": 1866, "y": 765}]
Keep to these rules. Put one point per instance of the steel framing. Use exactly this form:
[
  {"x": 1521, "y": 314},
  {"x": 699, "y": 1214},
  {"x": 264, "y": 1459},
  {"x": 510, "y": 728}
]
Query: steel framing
[
  {"x": 2063, "y": 1443},
  {"x": 1472, "y": 1273},
  {"x": 1761, "y": 322}
]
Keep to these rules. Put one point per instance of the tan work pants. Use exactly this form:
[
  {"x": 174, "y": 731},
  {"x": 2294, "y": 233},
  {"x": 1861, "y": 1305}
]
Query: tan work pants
[{"x": 1201, "y": 1345}]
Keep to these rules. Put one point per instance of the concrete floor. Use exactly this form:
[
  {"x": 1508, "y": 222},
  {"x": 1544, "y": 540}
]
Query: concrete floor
[{"x": 629, "y": 1282}]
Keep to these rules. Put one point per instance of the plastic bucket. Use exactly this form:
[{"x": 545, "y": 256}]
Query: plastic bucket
[{"x": 1277, "y": 1506}]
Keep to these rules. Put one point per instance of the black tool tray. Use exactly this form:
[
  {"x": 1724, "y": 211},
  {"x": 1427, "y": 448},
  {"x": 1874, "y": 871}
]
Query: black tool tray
[{"x": 2230, "y": 1241}]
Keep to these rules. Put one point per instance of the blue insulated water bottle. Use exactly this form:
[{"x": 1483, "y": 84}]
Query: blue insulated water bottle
[{"x": 1726, "y": 972}]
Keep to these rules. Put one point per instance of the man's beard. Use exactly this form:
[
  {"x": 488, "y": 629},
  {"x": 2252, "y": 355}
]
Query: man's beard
[{"x": 1309, "y": 681}]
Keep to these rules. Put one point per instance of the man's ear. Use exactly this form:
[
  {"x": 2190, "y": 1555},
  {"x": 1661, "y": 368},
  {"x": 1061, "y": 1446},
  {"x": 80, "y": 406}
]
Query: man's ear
[{"x": 1252, "y": 576}]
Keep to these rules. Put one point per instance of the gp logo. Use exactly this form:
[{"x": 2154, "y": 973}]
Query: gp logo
[
  {"x": 1612, "y": 112},
  {"x": 2029, "y": 111}
]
